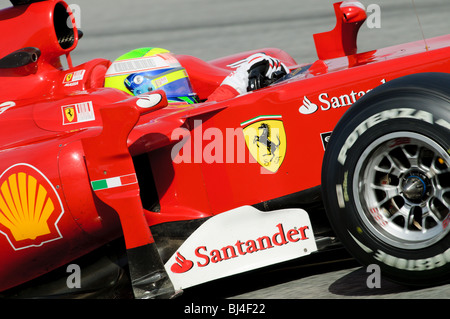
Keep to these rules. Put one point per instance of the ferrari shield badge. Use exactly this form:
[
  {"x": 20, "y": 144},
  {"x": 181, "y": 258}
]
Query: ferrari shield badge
[
  {"x": 69, "y": 112},
  {"x": 78, "y": 113},
  {"x": 265, "y": 138}
]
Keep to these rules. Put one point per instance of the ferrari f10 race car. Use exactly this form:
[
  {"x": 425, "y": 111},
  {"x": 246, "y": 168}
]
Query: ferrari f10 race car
[{"x": 94, "y": 179}]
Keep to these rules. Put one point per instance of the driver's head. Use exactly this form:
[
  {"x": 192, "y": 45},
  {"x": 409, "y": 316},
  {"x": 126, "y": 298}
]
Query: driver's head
[{"x": 148, "y": 69}]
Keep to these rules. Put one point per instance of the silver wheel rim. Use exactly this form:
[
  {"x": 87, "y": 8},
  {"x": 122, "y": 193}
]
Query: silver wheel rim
[{"x": 402, "y": 190}]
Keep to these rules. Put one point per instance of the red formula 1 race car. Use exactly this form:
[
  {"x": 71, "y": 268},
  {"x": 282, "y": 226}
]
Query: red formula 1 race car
[{"x": 94, "y": 179}]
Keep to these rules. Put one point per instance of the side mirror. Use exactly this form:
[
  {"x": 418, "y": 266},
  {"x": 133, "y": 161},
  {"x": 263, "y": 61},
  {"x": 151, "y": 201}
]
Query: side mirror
[
  {"x": 341, "y": 41},
  {"x": 151, "y": 101},
  {"x": 353, "y": 12}
]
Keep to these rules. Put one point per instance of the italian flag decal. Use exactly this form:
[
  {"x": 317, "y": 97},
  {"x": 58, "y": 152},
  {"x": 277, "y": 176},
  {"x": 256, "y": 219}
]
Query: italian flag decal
[{"x": 114, "y": 182}]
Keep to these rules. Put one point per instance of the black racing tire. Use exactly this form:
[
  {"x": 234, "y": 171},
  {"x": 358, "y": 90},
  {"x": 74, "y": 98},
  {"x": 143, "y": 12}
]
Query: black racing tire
[{"x": 386, "y": 179}]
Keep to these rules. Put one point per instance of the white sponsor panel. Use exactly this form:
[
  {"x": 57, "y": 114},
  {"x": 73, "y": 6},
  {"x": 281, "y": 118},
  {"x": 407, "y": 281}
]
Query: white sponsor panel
[
  {"x": 240, "y": 240},
  {"x": 72, "y": 78},
  {"x": 78, "y": 113}
]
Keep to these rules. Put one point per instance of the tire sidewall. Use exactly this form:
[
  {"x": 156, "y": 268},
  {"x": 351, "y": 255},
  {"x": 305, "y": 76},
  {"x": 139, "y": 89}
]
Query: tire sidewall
[{"x": 417, "y": 113}]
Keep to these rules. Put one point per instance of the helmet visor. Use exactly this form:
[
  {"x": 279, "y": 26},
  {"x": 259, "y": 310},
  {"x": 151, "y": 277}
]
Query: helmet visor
[{"x": 174, "y": 82}]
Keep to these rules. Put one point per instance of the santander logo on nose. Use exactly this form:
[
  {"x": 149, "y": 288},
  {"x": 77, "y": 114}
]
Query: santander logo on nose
[
  {"x": 182, "y": 264},
  {"x": 240, "y": 240},
  {"x": 240, "y": 248}
]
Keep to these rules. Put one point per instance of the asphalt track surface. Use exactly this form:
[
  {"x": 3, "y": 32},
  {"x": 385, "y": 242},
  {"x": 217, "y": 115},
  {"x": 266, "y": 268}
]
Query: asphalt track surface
[
  {"x": 331, "y": 275},
  {"x": 210, "y": 29}
]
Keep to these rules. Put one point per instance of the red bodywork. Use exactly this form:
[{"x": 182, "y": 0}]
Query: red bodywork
[{"x": 50, "y": 155}]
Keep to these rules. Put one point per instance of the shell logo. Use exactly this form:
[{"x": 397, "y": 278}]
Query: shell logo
[{"x": 30, "y": 208}]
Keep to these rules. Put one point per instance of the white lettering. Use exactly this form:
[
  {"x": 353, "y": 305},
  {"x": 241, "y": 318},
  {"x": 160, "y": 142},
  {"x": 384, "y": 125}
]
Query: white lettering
[
  {"x": 333, "y": 102},
  {"x": 74, "y": 280},
  {"x": 193, "y": 309},
  {"x": 76, "y": 14},
  {"x": 374, "y": 279},
  {"x": 184, "y": 144},
  {"x": 381, "y": 117},
  {"x": 443, "y": 123},
  {"x": 374, "y": 18},
  {"x": 323, "y": 98},
  {"x": 413, "y": 264},
  {"x": 6, "y": 105}
]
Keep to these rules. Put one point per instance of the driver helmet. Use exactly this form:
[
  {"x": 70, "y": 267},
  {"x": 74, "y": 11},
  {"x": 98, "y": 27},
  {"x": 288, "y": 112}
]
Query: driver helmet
[{"x": 148, "y": 69}]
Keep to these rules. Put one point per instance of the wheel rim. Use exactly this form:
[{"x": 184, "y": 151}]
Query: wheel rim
[{"x": 402, "y": 190}]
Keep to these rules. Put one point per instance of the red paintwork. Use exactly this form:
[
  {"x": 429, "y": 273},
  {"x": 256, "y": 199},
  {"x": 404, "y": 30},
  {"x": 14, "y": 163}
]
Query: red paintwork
[
  {"x": 35, "y": 132},
  {"x": 341, "y": 41}
]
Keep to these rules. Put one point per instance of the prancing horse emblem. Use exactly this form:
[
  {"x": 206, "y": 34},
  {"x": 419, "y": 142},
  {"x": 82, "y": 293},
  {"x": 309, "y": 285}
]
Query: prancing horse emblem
[
  {"x": 266, "y": 140},
  {"x": 70, "y": 113}
]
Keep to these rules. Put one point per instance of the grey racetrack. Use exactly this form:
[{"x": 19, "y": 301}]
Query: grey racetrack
[{"x": 209, "y": 29}]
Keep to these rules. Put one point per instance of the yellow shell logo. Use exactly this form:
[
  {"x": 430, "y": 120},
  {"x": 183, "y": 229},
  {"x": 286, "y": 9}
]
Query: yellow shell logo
[{"x": 29, "y": 207}]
